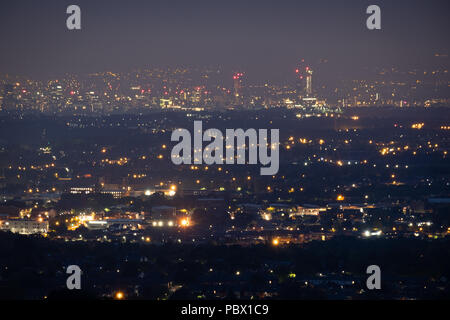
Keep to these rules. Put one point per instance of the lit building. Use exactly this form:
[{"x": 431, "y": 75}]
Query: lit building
[
  {"x": 308, "y": 88},
  {"x": 238, "y": 86},
  {"x": 81, "y": 190},
  {"x": 308, "y": 210},
  {"x": 24, "y": 226},
  {"x": 115, "y": 193},
  {"x": 303, "y": 75},
  {"x": 56, "y": 93}
]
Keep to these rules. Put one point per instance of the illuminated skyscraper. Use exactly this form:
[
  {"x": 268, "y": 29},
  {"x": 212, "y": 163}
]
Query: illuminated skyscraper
[
  {"x": 56, "y": 93},
  {"x": 303, "y": 75},
  {"x": 238, "y": 87},
  {"x": 308, "y": 88}
]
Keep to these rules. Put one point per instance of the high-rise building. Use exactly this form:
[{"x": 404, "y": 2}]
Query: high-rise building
[
  {"x": 56, "y": 93},
  {"x": 303, "y": 75},
  {"x": 238, "y": 87},
  {"x": 308, "y": 87}
]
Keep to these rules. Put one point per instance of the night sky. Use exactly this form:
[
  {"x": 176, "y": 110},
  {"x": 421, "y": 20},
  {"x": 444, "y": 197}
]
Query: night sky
[{"x": 264, "y": 37}]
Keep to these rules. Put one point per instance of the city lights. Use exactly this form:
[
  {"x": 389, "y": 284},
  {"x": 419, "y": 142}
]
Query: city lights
[{"x": 225, "y": 151}]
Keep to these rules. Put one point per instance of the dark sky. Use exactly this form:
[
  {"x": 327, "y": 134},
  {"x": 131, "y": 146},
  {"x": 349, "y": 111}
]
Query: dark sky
[{"x": 264, "y": 37}]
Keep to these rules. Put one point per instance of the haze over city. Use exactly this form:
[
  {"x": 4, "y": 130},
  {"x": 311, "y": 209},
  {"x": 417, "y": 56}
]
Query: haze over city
[{"x": 264, "y": 37}]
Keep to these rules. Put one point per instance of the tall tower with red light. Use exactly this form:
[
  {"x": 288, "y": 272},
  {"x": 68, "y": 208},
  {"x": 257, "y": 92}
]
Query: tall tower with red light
[
  {"x": 303, "y": 75},
  {"x": 238, "y": 87}
]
